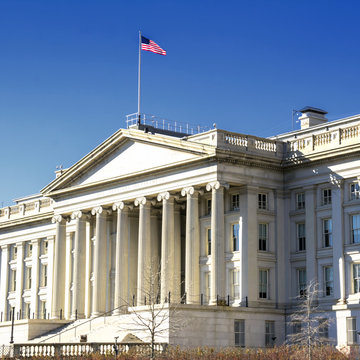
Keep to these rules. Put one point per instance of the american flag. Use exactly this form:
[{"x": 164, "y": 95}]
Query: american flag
[{"x": 152, "y": 46}]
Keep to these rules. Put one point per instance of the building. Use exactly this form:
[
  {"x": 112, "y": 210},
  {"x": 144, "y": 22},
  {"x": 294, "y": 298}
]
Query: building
[{"x": 237, "y": 224}]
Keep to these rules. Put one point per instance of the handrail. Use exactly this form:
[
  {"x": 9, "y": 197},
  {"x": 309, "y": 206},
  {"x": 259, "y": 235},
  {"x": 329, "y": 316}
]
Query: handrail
[{"x": 85, "y": 322}]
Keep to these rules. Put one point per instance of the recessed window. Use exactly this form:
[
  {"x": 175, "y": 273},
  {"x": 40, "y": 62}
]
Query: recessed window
[
  {"x": 262, "y": 201},
  {"x": 263, "y": 237},
  {"x": 263, "y": 284},
  {"x": 208, "y": 207},
  {"x": 235, "y": 237},
  {"x": 354, "y": 191},
  {"x": 44, "y": 247},
  {"x": 356, "y": 277},
  {"x": 208, "y": 286},
  {"x": 269, "y": 333},
  {"x": 235, "y": 283},
  {"x": 355, "y": 229},
  {"x": 13, "y": 280},
  {"x": 326, "y": 197},
  {"x": 43, "y": 281},
  {"x": 328, "y": 280},
  {"x": 351, "y": 330},
  {"x": 208, "y": 235},
  {"x": 29, "y": 250},
  {"x": 42, "y": 309},
  {"x": 13, "y": 254},
  {"x": 235, "y": 202},
  {"x": 323, "y": 329},
  {"x": 300, "y": 201},
  {"x": 28, "y": 277},
  {"x": 296, "y": 327},
  {"x": 301, "y": 240},
  {"x": 301, "y": 282},
  {"x": 327, "y": 233},
  {"x": 239, "y": 330}
]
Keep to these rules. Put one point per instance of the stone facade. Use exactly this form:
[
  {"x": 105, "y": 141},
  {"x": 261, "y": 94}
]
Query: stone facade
[{"x": 230, "y": 227}]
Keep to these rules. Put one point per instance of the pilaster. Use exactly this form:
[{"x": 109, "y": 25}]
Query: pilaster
[
  {"x": 19, "y": 276},
  {"x": 35, "y": 278},
  {"x": 4, "y": 280}
]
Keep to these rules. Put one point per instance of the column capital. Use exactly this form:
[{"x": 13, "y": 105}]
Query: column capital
[
  {"x": 216, "y": 185},
  {"x": 140, "y": 201},
  {"x": 59, "y": 219},
  {"x": 163, "y": 196},
  {"x": 336, "y": 181},
  {"x": 4, "y": 247},
  {"x": 121, "y": 205},
  {"x": 79, "y": 215},
  {"x": 19, "y": 244},
  {"x": 191, "y": 191},
  {"x": 99, "y": 210}
]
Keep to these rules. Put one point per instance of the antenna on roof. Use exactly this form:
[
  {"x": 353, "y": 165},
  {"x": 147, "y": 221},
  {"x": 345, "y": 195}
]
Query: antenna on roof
[{"x": 297, "y": 113}]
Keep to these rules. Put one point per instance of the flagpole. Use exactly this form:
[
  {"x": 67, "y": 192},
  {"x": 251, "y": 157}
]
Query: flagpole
[{"x": 139, "y": 81}]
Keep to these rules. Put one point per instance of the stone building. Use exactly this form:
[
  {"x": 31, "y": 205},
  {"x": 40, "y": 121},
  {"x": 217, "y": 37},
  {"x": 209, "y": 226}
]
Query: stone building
[{"x": 236, "y": 224}]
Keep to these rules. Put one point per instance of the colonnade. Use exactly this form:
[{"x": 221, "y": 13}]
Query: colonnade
[{"x": 147, "y": 258}]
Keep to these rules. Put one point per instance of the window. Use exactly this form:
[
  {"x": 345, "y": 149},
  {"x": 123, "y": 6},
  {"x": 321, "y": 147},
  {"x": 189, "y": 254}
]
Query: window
[
  {"x": 326, "y": 197},
  {"x": 13, "y": 280},
  {"x": 301, "y": 237},
  {"x": 43, "y": 282},
  {"x": 263, "y": 284},
  {"x": 296, "y": 327},
  {"x": 356, "y": 277},
  {"x": 29, "y": 250},
  {"x": 208, "y": 207},
  {"x": 235, "y": 283},
  {"x": 239, "y": 330},
  {"x": 327, "y": 233},
  {"x": 351, "y": 330},
  {"x": 27, "y": 277},
  {"x": 42, "y": 309},
  {"x": 209, "y": 241},
  {"x": 235, "y": 237},
  {"x": 208, "y": 286},
  {"x": 355, "y": 229},
  {"x": 263, "y": 237},
  {"x": 13, "y": 252},
  {"x": 301, "y": 282},
  {"x": 44, "y": 247},
  {"x": 262, "y": 201},
  {"x": 235, "y": 202},
  {"x": 27, "y": 311},
  {"x": 300, "y": 201},
  {"x": 328, "y": 280},
  {"x": 323, "y": 329},
  {"x": 354, "y": 191},
  {"x": 269, "y": 333}
]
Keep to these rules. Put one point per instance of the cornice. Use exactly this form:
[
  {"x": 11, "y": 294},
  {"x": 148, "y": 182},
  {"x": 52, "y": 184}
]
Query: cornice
[{"x": 27, "y": 220}]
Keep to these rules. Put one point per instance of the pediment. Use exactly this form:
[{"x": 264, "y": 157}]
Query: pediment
[
  {"x": 128, "y": 153},
  {"x": 131, "y": 158}
]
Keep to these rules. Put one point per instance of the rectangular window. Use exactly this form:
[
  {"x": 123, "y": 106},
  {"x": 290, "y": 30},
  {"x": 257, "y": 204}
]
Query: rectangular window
[
  {"x": 239, "y": 330},
  {"x": 235, "y": 237},
  {"x": 354, "y": 191},
  {"x": 327, "y": 233},
  {"x": 301, "y": 282},
  {"x": 328, "y": 280},
  {"x": 27, "y": 277},
  {"x": 208, "y": 207},
  {"x": 262, "y": 201},
  {"x": 263, "y": 284},
  {"x": 235, "y": 202},
  {"x": 301, "y": 240},
  {"x": 355, "y": 229},
  {"x": 43, "y": 282},
  {"x": 326, "y": 197},
  {"x": 300, "y": 201},
  {"x": 13, "y": 280},
  {"x": 323, "y": 329},
  {"x": 356, "y": 277},
  {"x": 269, "y": 333},
  {"x": 27, "y": 311},
  {"x": 235, "y": 283},
  {"x": 13, "y": 252},
  {"x": 351, "y": 330},
  {"x": 208, "y": 241},
  {"x": 296, "y": 327},
  {"x": 29, "y": 250},
  {"x": 44, "y": 247},
  {"x": 208, "y": 286},
  {"x": 42, "y": 309},
  {"x": 263, "y": 237}
]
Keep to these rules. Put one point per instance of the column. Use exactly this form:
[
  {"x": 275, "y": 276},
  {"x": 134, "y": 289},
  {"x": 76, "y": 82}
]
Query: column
[
  {"x": 338, "y": 241},
  {"x": 58, "y": 293},
  {"x": 310, "y": 233},
  {"x": 217, "y": 242},
  {"x": 78, "y": 298},
  {"x": 167, "y": 244},
  {"x": 35, "y": 278},
  {"x": 19, "y": 276},
  {"x": 155, "y": 254},
  {"x": 248, "y": 241},
  {"x": 100, "y": 251},
  {"x": 176, "y": 295},
  {"x": 192, "y": 246},
  {"x": 144, "y": 251},
  {"x": 121, "y": 297},
  {"x": 4, "y": 280}
]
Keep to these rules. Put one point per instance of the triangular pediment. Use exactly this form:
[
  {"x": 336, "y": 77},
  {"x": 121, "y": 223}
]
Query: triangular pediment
[{"x": 128, "y": 153}]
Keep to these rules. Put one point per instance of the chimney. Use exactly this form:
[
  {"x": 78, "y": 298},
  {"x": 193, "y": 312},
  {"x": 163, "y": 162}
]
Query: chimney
[{"x": 312, "y": 116}]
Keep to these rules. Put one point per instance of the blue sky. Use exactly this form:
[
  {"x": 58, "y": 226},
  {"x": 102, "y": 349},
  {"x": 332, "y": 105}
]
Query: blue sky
[{"x": 68, "y": 72}]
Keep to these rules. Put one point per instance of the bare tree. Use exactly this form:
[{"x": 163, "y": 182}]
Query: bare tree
[{"x": 310, "y": 326}]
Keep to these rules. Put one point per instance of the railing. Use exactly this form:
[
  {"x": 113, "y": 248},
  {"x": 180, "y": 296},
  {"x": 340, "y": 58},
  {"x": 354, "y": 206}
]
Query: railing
[
  {"x": 164, "y": 124},
  {"x": 79, "y": 349}
]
